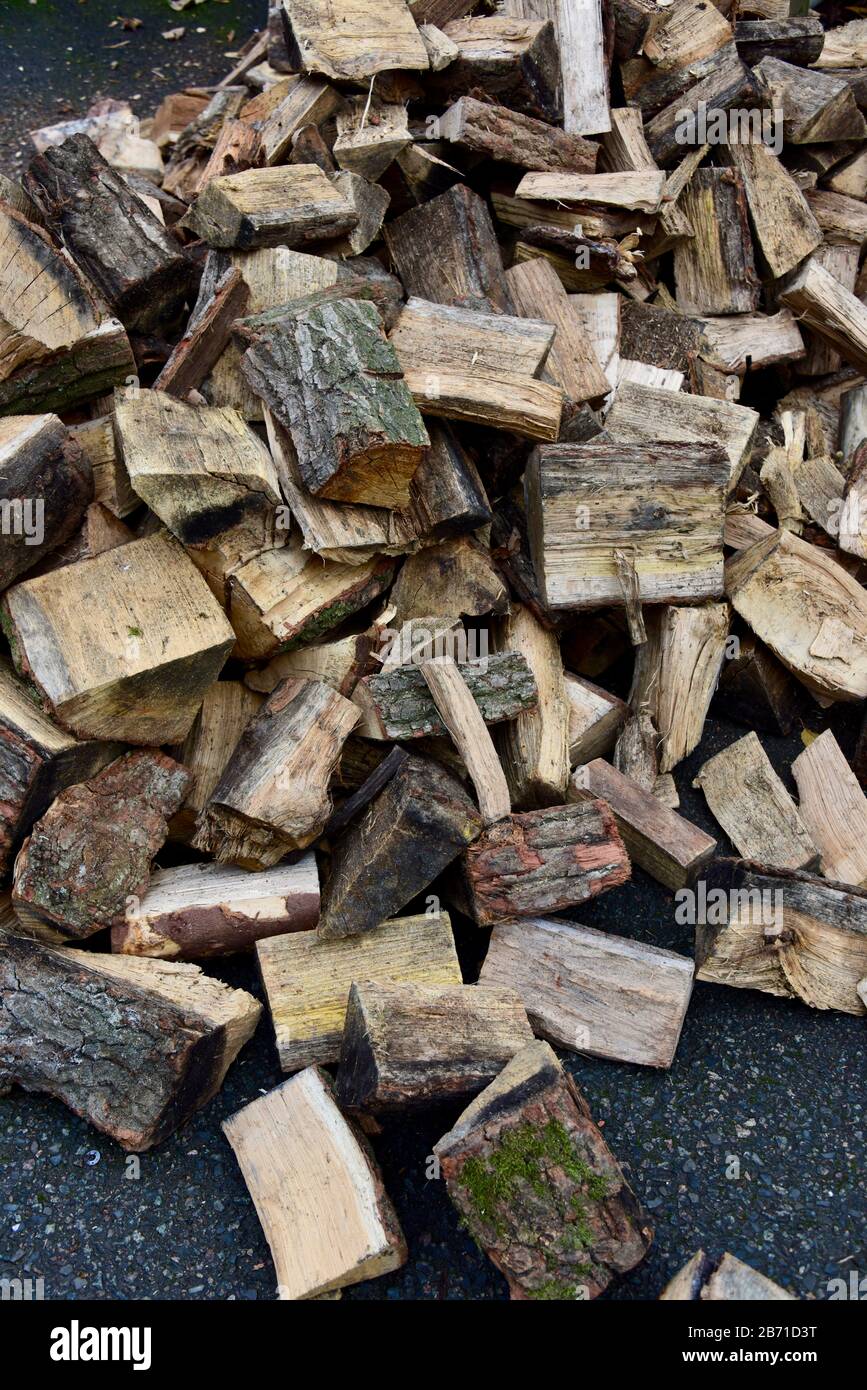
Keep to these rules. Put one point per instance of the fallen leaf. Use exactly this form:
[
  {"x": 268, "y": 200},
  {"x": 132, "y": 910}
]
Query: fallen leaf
[{"x": 173, "y": 34}]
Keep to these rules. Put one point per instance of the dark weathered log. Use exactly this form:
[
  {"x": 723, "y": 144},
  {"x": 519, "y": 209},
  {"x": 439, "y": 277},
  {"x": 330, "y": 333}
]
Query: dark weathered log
[
  {"x": 417, "y": 825},
  {"x": 124, "y": 250},
  {"x": 514, "y": 61},
  {"x": 467, "y": 269},
  {"x": 784, "y": 228},
  {"x": 273, "y": 794},
  {"x": 815, "y": 106},
  {"x": 94, "y": 847},
  {"x": 795, "y": 40},
  {"x": 46, "y": 482},
  {"x": 725, "y": 83},
  {"x": 409, "y": 1044},
  {"x": 398, "y": 705},
  {"x": 133, "y": 1046},
  {"x": 714, "y": 269},
  {"x": 287, "y": 205},
  {"x": 538, "y": 1187},
  {"x": 540, "y": 862},
  {"x": 207, "y": 333},
  {"x": 512, "y": 138},
  {"x": 372, "y": 785},
  {"x": 446, "y": 493}
]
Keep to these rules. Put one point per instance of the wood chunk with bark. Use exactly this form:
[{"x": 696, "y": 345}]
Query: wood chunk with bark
[
  {"x": 396, "y": 703},
  {"x": 714, "y": 269},
  {"x": 418, "y": 824},
  {"x": 657, "y": 418},
  {"x": 728, "y": 1278},
  {"x": 198, "y": 911},
  {"x": 273, "y": 796},
  {"x": 796, "y": 40},
  {"x": 370, "y": 38},
  {"x": 340, "y": 664},
  {"x": 512, "y": 138},
  {"x": 317, "y": 1189},
  {"x": 791, "y": 934},
  {"x": 207, "y": 334},
  {"x": 125, "y": 251},
  {"x": 753, "y": 807},
  {"x": 572, "y": 363},
  {"x": 308, "y": 101},
  {"x": 815, "y": 106},
  {"x": 692, "y": 645},
  {"x": 580, "y": 28},
  {"x": 46, "y": 483},
  {"x": 807, "y": 609},
  {"x": 606, "y": 996},
  {"x": 111, "y": 485},
  {"x": 468, "y": 730},
  {"x": 408, "y": 1044},
  {"x": 59, "y": 345},
  {"x": 595, "y": 718},
  {"x": 287, "y": 205},
  {"x": 539, "y": 862},
  {"x": 467, "y": 269},
  {"x": 200, "y": 469},
  {"x": 664, "y": 844},
  {"x": 513, "y": 61},
  {"x": 724, "y": 82},
  {"x": 160, "y": 1036},
  {"x": 784, "y": 228},
  {"x": 371, "y": 203},
  {"x": 479, "y": 368},
  {"x": 534, "y": 747},
  {"x": 834, "y": 809},
  {"x": 454, "y": 578},
  {"x": 538, "y": 1187},
  {"x": 832, "y": 312},
  {"x": 225, "y": 713},
  {"x": 307, "y": 981},
  {"x": 370, "y": 136},
  {"x": 94, "y": 847},
  {"x": 141, "y": 672},
  {"x": 332, "y": 379}
]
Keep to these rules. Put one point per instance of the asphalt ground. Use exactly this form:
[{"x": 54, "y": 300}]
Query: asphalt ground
[{"x": 775, "y": 1086}]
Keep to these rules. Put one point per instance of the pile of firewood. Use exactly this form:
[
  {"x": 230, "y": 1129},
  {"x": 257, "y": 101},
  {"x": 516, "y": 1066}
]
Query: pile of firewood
[{"x": 358, "y": 416}]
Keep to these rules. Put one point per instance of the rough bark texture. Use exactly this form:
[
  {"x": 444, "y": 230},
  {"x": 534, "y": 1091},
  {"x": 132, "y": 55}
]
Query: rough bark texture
[
  {"x": 511, "y": 138},
  {"x": 714, "y": 269},
  {"x": 398, "y": 705},
  {"x": 46, "y": 483}
]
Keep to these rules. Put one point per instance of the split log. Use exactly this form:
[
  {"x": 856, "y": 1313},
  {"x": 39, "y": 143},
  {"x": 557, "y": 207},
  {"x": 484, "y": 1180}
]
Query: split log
[
  {"x": 317, "y": 1189},
  {"x": 454, "y": 578},
  {"x": 273, "y": 794},
  {"x": 418, "y": 824},
  {"x": 207, "y": 334},
  {"x": 625, "y": 149},
  {"x": 200, "y": 469},
  {"x": 397, "y": 704},
  {"x": 159, "y": 1036},
  {"x": 538, "y": 1187},
  {"x": 370, "y": 136},
  {"x": 845, "y": 46},
  {"x": 724, "y": 83},
  {"x": 331, "y": 378},
  {"x": 537, "y": 293},
  {"x": 225, "y": 712},
  {"x": 714, "y": 269},
  {"x": 834, "y": 809},
  {"x": 58, "y": 344},
  {"x": 370, "y": 203},
  {"x": 663, "y": 506},
  {"x": 511, "y": 138},
  {"x": 669, "y": 848},
  {"x": 534, "y": 747},
  {"x": 287, "y": 205},
  {"x": 784, "y": 228},
  {"x": 372, "y": 785},
  {"x": 789, "y": 934},
  {"x": 831, "y": 311},
  {"x": 467, "y": 269},
  {"x": 636, "y": 191},
  {"x": 642, "y": 415},
  {"x": 807, "y": 609},
  {"x": 513, "y": 61},
  {"x": 198, "y": 911},
  {"x": 157, "y": 620},
  {"x": 46, "y": 483},
  {"x": 542, "y": 862},
  {"x": 440, "y": 50},
  {"x": 796, "y": 40},
  {"x": 368, "y": 40},
  {"x": 39, "y": 760},
  {"x": 815, "y": 106},
  {"x": 308, "y": 101},
  {"x": 465, "y": 723},
  {"x": 94, "y": 847},
  {"x": 730, "y": 1278},
  {"x": 111, "y": 485},
  {"x": 476, "y": 367},
  {"x": 124, "y": 250},
  {"x": 307, "y": 981},
  {"x": 692, "y": 648},
  {"x": 757, "y": 690},
  {"x": 340, "y": 664},
  {"x": 99, "y": 531},
  {"x": 595, "y": 719},
  {"x": 743, "y": 342},
  {"x": 753, "y": 807},
  {"x": 606, "y": 996},
  {"x": 409, "y": 1044}
]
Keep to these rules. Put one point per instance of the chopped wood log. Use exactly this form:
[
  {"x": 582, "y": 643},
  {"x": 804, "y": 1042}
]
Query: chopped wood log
[
  {"x": 160, "y": 1036},
  {"x": 202, "y": 470},
  {"x": 308, "y": 147},
  {"x": 38, "y": 760},
  {"x": 572, "y": 363},
  {"x": 58, "y": 344},
  {"x": 440, "y": 50},
  {"x": 368, "y": 40},
  {"x": 409, "y": 1044},
  {"x": 730, "y": 1278},
  {"x": 370, "y": 787},
  {"x": 594, "y": 222},
  {"x": 287, "y": 205},
  {"x": 340, "y": 664},
  {"x": 464, "y": 365},
  {"x": 815, "y": 106},
  {"x": 544, "y": 861},
  {"x": 639, "y": 191},
  {"x": 307, "y": 101},
  {"x": 790, "y": 934},
  {"x": 447, "y": 495},
  {"x": 807, "y": 609},
  {"x": 316, "y": 1186},
  {"x": 46, "y": 483},
  {"x": 370, "y": 203},
  {"x": 370, "y": 136},
  {"x": 834, "y": 809},
  {"x": 692, "y": 647},
  {"x": 724, "y": 82},
  {"x": 225, "y": 712},
  {"x": 273, "y": 797},
  {"x": 744, "y": 342},
  {"x": 784, "y": 228},
  {"x": 845, "y": 46},
  {"x": 419, "y": 638},
  {"x": 111, "y": 485},
  {"x": 664, "y": 505},
  {"x": 842, "y": 220},
  {"x": 796, "y": 40},
  {"x": 513, "y": 61},
  {"x": 207, "y": 334},
  {"x": 635, "y": 752},
  {"x": 198, "y": 911},
  {"x": 753, "y": 807},
  {"x": 418, "y": 824},
  {"x": 595, "y": 719},
  {"x": 606, "y": 996},
  {"x": 714, "y": 269},
  {"x": 397, "y": 704},
  {"x": 467, "y": 269},
  {"x": 157, "y": 622},
  {"x": 642, "y": 415},
  {"x": 454, "y": 578},
  {"x": 238, "y": 147},
  {"x": 534, "y": 747},
  {"x": 836, "y": 315},
  {"x": 288, "y": 597},
  {"x": 334, "y": 382},
  {"x": 664, "y": 844},
  {"x": 538, "y": 1187},
  {"x": 307, "y": 981},
  {"x": 124, "y": 250},
  {"x": 466, "y": 726},
  {"x": 511, "y": 138}
]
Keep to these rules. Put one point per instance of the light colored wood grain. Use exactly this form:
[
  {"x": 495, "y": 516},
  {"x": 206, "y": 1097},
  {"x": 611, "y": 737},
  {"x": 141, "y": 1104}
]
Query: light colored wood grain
[
  {"x": 469, "y": 733},
  {"x": 286, "y": 205},
  {"x": 595, "y": 717},
  {"x": 572, "y": 362},
  {"x": 534, "y": 748},
  {"x": 641, "y": 415},
  {"x": 833, "y": 807},
  {"x": 753, "y": 807},
  {"x": 371, "y": 37}
]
